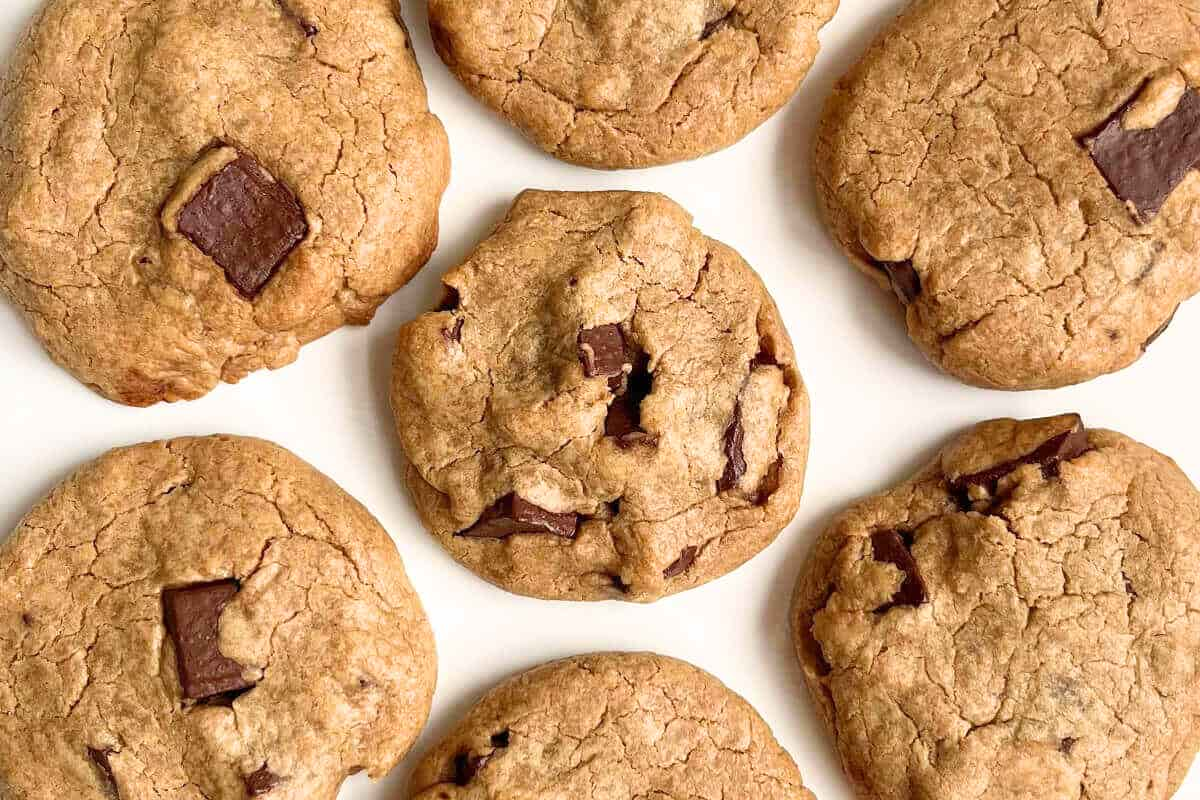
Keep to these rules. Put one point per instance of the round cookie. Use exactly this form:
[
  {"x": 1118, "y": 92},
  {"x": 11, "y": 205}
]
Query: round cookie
[
  {"x": 190, "y": 190},
  {"x": 205, "y": 619},
  {"x": 631, "y": 83},
  {"x": 613, "y": 725},
  {"x": 1022, "y": 176},
  {"x": 1015, "y": 621},
  {"x": 607, "y": 406}
]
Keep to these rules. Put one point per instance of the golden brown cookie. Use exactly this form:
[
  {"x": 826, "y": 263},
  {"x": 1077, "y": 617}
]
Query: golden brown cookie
[
  {"x": 1023, "y": 176},
  {"x": 607, "y": 405},
  {"x": 205, "y": 619},
  {"x": 1016, "y": 621},
  {"x": 190, "y": 190},
  {"x": 612, "y": 725},
  {"x": 630, "y": 83}
]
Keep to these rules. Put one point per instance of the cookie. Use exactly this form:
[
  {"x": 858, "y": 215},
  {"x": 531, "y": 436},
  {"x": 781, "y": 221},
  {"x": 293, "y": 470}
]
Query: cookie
[
  {"x": 606, "y": 406},
  {"x": 205, "y": 618},
  {"x": 612, "y": 725},
  {"x": 190, "y": 191},
  {"x": 1013, "y": 622},
  {"x": 630, "y": 83},
  {"x": 1022, "y": 177}
]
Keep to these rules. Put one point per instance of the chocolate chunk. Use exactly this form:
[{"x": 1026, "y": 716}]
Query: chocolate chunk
[
  {"x": 619, "y": 584},
  {"x": 501, "y": 739},
  {"x": 683, "y": 563},
  {"x": 453, "y": 334},
  {"x": 513, "y": 515},
  {"x": 104, "y": 772},
  {"x": 889, "y": 547},
  {"x": 906, "y": 283},
  {"x": 466, "y": 766},
  {"x": 193, "y": 616},
  {"x": 246, "y": 221},
  {"x": 1143, "y": 167},
  {"x": 1067, "y": 745},
  {"x": 1049, "y": 455},
  {"x": 735, "y": 460},
  {"x": 602, "y": 352},
  {"x": 1162, "y": 329},
  {"x": 261, "y": 781},
  {"x": 27, "y": 620}
]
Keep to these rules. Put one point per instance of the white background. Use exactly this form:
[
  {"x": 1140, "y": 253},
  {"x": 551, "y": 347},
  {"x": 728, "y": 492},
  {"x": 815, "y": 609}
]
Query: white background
[{"x": 879, "y": 410}]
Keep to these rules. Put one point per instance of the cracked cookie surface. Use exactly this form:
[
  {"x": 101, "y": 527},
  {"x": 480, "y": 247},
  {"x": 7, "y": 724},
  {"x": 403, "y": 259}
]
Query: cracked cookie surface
[
  {"x": 955, "y": 155},
  {"x": 333, "y": 662},
  {"x": 111, "y": 114},
  {"x": 618, "y": 726},
  {"x": 1019, "y": 620},
  {"x": 606, "y": 407},
  {"x": 630, "y": 83}
]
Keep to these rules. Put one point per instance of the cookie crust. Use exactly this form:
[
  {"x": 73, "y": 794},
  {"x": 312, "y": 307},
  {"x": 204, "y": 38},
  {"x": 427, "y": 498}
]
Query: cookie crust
[
  {"x": 957, "y": 147},
  {"x": 491, "y": 399},
  {"x": 108, "y": 110},
  {"x": 1054, "y": 653},
  {"x": 630, "y": 83},
  {"x": 613, "y": 725},
  {"x": 330, "y": 634}
]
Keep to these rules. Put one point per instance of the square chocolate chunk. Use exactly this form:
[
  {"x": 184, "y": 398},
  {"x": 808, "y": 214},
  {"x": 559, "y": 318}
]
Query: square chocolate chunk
[
  {"x": 193, "y": 617},
  {"x": 1143, "y": 167},
  {"x": 246, "y": 221},
  {"x": 603, "y": 352}
]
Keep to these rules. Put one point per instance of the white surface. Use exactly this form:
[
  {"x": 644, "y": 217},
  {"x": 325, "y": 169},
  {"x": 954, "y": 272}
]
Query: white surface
[{"x": 879, "y": 410}]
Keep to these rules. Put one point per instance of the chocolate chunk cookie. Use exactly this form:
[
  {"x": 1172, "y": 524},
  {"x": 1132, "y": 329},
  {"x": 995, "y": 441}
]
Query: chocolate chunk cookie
[
  {"x": 205, "y": 618},
  {"x": 630, "y": 83},
  {"x": 1024, "y": 177},
  {"x": 615, "y": 725},
  {"x": 1016, "y": 621},
  {"x": 191, "y": 190},
  {"x": 606, "y": 406}
]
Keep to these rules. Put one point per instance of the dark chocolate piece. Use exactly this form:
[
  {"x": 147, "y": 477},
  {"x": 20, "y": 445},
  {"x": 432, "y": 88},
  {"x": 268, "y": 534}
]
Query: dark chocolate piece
[
  {"x": 1161, "y": 330},
  {"x": 108, "y": 782},
  {"x": 889, "y": 547},
  {"x": 512, "y": 515},
  {"x": 246, "y": 221},
  {"x": 735, "y": 461},
  {"x": 1049, "y": 455},
  {"x": 1067, "y": 745},
  {"x": 619, "y": 584},
  {"x": 602, "y": 352},
  {"x": 261, "y": 781},
  {"x": 501, "y": 739},
  {"x": 683, "y": 563},
  {"x": 466, "y": 766},
  {"x": 906, "y": 283},
  {"x": 1143, "y": 167},
  {"x": 193, "y": 617}
]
